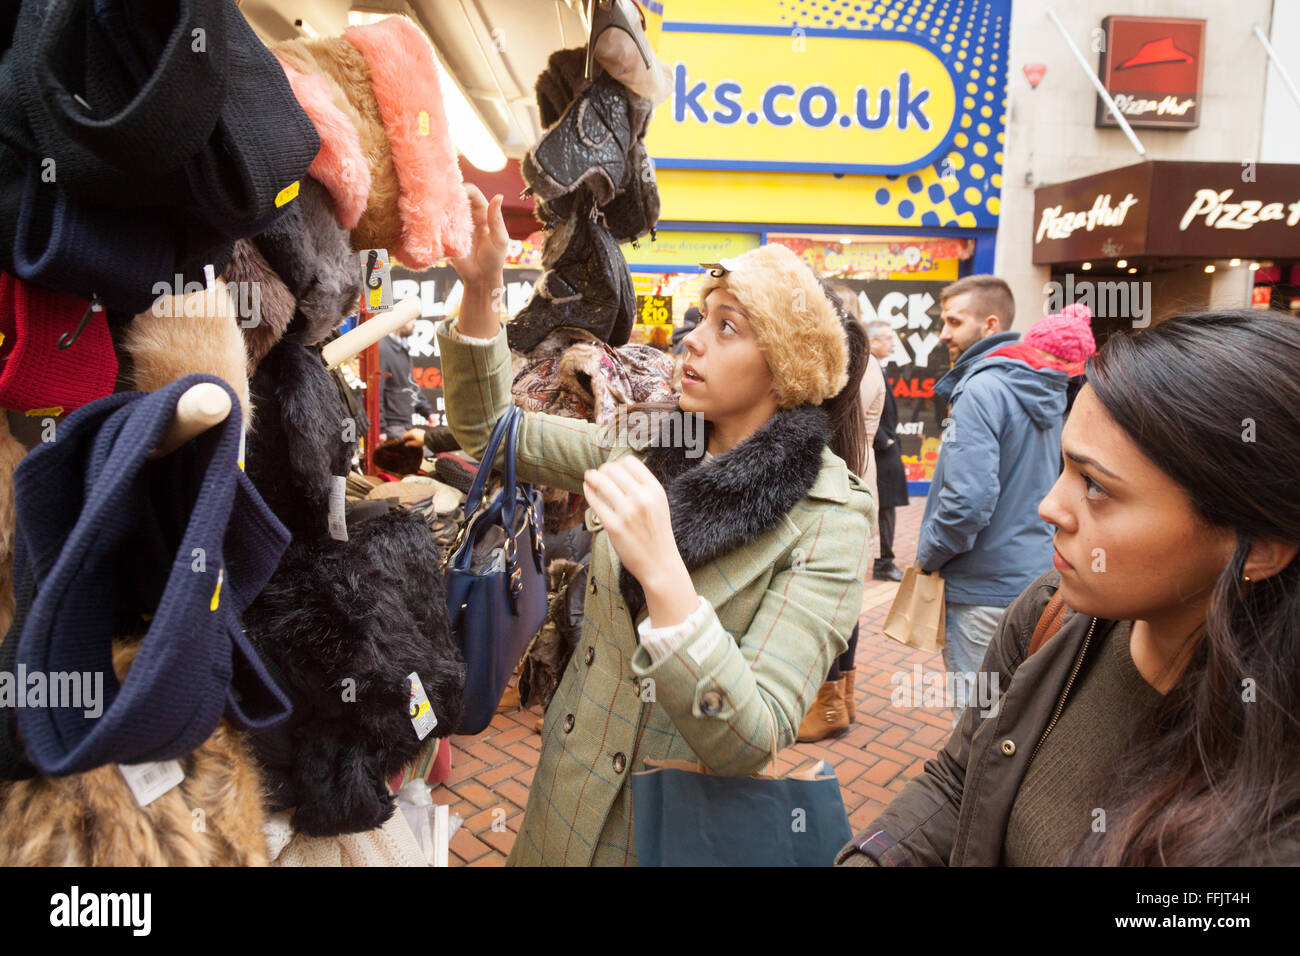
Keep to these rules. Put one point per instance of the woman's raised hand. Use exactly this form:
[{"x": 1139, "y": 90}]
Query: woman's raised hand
[{"x": 486, "y": 259}]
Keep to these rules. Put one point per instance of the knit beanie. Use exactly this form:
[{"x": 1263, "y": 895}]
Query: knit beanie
[
  {"x": 1067, "y": 334},
  {"x": 797, "y": 328},
  {"x": 309, "y": 250},
  {"x": 106, "y": 539},
  {"x": 34, "y": 371},
  {"x": 275, "y": 304}
]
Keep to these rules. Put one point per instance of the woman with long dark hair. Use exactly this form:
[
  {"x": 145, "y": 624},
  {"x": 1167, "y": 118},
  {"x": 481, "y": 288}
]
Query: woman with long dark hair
[
  {"x": 1159, "y": 725},
  {"x": 726, "y": 566}
]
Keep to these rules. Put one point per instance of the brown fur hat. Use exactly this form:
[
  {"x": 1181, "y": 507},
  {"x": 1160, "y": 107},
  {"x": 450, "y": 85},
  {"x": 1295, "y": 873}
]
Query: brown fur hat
[
  {"x": 276, "y": 304},
  {"x": 11, "y": 453},
  {"x": 798, "y": 330},
  {"x": 182, "y": 334},
  {"x": 344, "y": 64},
  {"x": 214, "y": 817}
]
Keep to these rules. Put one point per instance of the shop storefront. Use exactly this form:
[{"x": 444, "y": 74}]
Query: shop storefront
[
  {"x": 1145, "y": 241},
  {"x": 868, "y": 138}
]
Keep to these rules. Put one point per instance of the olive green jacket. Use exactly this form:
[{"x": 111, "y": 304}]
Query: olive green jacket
[{"x": 782, "y": 608}]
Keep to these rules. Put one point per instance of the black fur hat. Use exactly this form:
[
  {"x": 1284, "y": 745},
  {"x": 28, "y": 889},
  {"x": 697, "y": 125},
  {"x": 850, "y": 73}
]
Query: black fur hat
[
  {"x": 303, "y": 437},
  {"x": 343, "y": 623}
]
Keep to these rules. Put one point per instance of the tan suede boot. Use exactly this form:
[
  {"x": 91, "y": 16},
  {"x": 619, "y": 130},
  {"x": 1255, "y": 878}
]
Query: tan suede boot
[
  {"x": 827, "y": 715},
  {"x": 850, "y": 693}
]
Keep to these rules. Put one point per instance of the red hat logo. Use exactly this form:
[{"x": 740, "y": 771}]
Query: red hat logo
[
  {"x": 1156, "y": 53},
  {"x": 1034, "y": 73}
]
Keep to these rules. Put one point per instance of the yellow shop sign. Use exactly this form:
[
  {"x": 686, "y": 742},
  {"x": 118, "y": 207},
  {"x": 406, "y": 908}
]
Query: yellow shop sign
[{"x": 757, "y": 97}]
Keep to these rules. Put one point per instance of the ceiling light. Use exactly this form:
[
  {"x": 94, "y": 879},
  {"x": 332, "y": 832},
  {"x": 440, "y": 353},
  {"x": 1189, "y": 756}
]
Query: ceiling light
[
  {"x": 1210, "y": 267},
  {"x": 1132, "y": 269},
  {"x": 1122, "y": 263},
  {"x": 1087, "y": 266},
  {"x": 472, "y": 138},
  {"x": 1234, "y": 262},
  {"x": 1254, "y": 266}
]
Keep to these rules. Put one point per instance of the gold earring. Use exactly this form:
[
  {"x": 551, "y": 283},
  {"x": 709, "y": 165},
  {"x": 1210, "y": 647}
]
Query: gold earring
[{"x": 1246, "y": 577}]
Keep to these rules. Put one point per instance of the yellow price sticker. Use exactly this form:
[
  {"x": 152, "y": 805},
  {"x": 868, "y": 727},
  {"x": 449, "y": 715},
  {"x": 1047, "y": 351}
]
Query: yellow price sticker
[{"x": 287, "y": 194}]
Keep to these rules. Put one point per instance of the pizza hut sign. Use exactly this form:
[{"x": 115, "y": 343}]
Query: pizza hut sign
[
  {"x": 1151, "y": 66},
  {"x": 1164, "y": 208}
]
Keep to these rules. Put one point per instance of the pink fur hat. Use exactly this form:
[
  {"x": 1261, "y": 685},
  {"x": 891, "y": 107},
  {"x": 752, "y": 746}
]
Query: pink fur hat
[
  {"x": 432, "y": 206},
  {"x": 340, "y": 166}
]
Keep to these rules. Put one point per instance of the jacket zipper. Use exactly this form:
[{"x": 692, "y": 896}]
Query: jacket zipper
[{"x": 1060, "y": 704}]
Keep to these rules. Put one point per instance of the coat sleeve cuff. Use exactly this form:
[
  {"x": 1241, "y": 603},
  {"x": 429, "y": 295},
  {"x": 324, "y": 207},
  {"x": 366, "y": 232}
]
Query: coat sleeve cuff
[
  {"x": 659, "y": 642},
  {"x": 453, "y": 330}
]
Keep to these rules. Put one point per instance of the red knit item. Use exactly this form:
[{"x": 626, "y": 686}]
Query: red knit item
[{"x": 38, "y": 374}]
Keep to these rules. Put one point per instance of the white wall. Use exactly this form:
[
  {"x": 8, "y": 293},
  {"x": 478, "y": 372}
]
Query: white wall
[
  {"x": 1281, "y": 141},
  {"x": 1051, "y": 137}
]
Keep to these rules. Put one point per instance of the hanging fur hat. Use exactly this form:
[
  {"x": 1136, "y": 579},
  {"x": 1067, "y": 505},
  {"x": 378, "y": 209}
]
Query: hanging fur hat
[
  {"x": 248, "y": 269},
  {"x": 11, "y": 453},
  {"x": 93, "y": 819},
  {"x": 417, "y": 208},
  {"x": 304, "y": 437},
  {"x": 344, "y": 623},
  {"x": 309, "y": 250},
  {"x": 340, "y": 166},
  {"x": 182, "y": 334}
]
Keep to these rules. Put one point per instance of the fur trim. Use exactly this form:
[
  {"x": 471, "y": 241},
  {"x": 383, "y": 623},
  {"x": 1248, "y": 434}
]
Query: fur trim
[
  {"x": 183, "y": 334},
  {"x": 380, "y": 223},
  {"x": 298, "y": 444},
  {"x": 340, "y": 165},
  {"x": 369, "y": 610},
  {"x": 92, "y": 819},
  {"x": 404, "y": 75},
  {"x": 722, "y": 504},
  {"x": 11, "y": 453},
  {"x": 275, "y": 301},
  {"x": 797, "y": 328}
]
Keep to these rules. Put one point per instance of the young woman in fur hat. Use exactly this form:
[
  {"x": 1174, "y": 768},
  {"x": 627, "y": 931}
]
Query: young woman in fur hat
[{"x": 725, "y": 577}]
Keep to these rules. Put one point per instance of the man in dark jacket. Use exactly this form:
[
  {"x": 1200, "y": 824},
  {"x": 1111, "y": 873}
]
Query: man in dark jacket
[
  {"x": 399, "y": 396},
  {"x": 998, "y": 459},
  {"x": 891, "y": 478}
]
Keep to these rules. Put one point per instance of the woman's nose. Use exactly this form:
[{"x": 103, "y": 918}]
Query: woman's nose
[
  {"x": 1052, "y": 508},
  {"x": 692, "y": 342}
]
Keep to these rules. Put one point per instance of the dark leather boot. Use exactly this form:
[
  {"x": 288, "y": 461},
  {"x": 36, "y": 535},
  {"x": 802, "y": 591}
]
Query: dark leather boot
[
  {"x": 586, "y": 285},
  {"x": 589, "y": 145}
]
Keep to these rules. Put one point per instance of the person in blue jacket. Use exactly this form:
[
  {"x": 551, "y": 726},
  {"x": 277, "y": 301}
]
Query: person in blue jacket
[{"x": 998, "y": 459}]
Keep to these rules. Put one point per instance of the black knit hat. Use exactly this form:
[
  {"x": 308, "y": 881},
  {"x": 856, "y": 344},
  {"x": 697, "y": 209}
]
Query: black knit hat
[{"x": 109, "y": 538}]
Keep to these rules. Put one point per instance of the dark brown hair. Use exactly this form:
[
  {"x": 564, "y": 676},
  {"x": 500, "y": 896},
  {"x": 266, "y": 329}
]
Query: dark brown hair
[
  {"x": 848, "y": 427},
  {"x": 989, "y": 296},
  {"x": 1212, "y": 776}
]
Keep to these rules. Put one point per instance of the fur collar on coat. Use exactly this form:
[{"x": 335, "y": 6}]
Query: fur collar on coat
[{"x": 722, "y": 503}]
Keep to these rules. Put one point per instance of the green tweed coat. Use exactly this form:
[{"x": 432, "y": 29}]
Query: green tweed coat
[{"x": 782, "y": 607}]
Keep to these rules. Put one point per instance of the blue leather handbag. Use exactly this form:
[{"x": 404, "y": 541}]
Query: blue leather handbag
[{"x": 496, "y": 581}]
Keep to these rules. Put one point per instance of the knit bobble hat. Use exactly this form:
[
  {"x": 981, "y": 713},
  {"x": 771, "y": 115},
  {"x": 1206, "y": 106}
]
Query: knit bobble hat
[
  {"x": 798, "y": 330},
  {"x": 1067, "y": 335}
]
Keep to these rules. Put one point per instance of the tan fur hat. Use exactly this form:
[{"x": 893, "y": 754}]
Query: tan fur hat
[{"x": 798, "y": 330}]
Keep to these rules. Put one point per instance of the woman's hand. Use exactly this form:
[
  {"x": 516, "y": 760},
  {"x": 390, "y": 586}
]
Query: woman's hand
[
  {"x": 633, "y": 507},
  {"x": 489, "y": 243},
  {"x": 414, "y": 438}
]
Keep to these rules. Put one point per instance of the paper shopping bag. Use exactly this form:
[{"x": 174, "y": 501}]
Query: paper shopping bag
[{"x": 917, "y": 614}]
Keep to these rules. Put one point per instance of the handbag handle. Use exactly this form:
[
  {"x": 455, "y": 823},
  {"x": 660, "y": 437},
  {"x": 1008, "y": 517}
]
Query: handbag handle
[{"x": 507, "y": 423}]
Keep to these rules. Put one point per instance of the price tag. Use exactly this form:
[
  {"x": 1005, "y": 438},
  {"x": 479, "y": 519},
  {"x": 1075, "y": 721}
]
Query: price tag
[
  {"x": 421, "y": 711},
  {"x": 654, "y": 309},
  {"x": 149, "y": 781},
  {"x": 338, "y": 523}
]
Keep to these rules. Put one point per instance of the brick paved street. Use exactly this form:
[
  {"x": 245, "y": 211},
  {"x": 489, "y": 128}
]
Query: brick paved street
[{"x": 880, "y": 753}]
